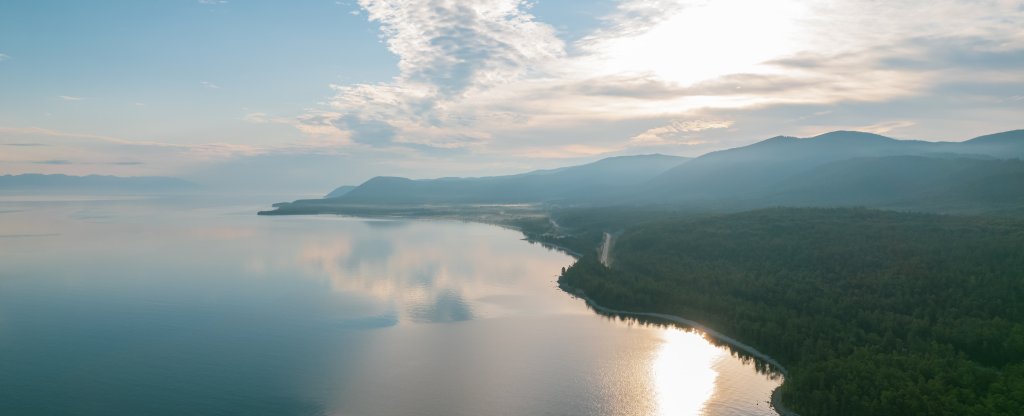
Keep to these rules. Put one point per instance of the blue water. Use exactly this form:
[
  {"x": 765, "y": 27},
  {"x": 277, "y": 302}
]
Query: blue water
[{"x": 191, "y": 307}]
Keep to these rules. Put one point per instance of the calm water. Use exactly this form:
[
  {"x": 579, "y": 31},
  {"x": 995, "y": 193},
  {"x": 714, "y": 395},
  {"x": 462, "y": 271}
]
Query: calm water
[{"x": 193, "y": 308}]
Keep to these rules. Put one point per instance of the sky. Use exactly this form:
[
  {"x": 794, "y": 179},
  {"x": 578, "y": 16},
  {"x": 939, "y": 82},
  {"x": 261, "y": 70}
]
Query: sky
[{"x": 312, "y": 94}]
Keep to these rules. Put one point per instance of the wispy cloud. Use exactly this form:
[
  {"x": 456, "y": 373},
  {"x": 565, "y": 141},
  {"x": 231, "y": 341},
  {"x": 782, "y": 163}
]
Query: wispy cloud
[
  {"x": 52, "y": 162},
  {"x": 56, "y": 151},
  {"x": 886, "y": 127},
  {"x": 64, "y": 162},
  {"x": 678, "y": 132},
  {"x": 449, "y": 53},
  {"x": 212, "y": 2},
  {"x": 70, "y": 98},
  {"x": 4, "y": 57},
  {"x": 24, "y": 144},
  {"x": 209, "y": 85},
  {"x": 319, "y": 125}
]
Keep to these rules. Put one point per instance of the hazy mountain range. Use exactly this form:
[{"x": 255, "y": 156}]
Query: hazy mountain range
[
  {"x": 841, "y": 168},
  {"x": 851, "y": 168},
  {"x": 606, "y": 176},
  {"x": 340, "y": 191}
]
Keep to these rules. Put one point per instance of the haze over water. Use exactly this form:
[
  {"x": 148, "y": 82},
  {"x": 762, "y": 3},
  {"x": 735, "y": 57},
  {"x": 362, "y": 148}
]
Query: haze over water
[{"x": 201, "y": 307}]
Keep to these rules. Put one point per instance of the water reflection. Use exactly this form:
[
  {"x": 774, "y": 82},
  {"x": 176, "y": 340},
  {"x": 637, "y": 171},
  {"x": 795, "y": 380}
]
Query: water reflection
[
  {"x": 418, "y": 283},
  {"x": 427, "y": 273},
  {"x": 210, "y": 312},
  {"x": 696, "y": 374},
  {"x": 683, "y": 373},
  {"x": 767, "y": 369}
]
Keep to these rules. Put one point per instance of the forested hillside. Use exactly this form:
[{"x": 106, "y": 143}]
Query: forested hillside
[{"x": 873, "y": 312}]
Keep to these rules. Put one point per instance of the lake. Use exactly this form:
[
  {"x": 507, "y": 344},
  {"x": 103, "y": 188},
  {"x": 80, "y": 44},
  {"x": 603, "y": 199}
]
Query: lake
[{"x": 200, "y": 307}]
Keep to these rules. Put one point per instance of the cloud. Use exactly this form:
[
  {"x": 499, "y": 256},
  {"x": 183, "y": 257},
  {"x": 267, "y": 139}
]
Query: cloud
[
  {"x": 4, "y": 57},
  {"x": 886, "y": 127},
  {"x": 212, "y": 2},
  {"x": 368, "y": 131},
  {"x": 484, "y": 84},
  {"x": 487, "y": 77},
  {"x": 449, "y": 53},
  {"x": 59, "y": 148},
  {"x": 641, "y": 86},
  {"x": 44, "y": 133},
  {"x": 453, "y": 46},
  {"x": 319, "y": 124},
  {"x": 678, "y": 132},
  {"x": 894, "y": 128},
  {"x": 70, "y": 98}
]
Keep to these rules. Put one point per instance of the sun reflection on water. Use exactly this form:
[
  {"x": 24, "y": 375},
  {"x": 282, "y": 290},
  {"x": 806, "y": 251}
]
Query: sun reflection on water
[{"x": 683, "y": 373}]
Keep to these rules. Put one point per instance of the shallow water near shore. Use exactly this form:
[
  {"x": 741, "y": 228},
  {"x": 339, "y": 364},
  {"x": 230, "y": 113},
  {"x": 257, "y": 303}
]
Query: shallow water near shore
[{"x": 174, "y": 307}]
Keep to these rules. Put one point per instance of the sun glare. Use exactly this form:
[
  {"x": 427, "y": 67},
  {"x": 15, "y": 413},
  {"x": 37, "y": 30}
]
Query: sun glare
[
  {"x": 705, "y": 40},
  {"x": 683, "y": 373}
]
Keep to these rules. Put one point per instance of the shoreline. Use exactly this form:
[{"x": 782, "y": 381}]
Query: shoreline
[{"x": 776, "y": 396}]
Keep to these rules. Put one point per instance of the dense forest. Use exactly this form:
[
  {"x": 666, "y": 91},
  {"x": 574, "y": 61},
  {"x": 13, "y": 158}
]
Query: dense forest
[{"x": 872, "y": 312}]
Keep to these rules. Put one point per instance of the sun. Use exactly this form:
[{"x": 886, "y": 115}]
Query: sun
[{"x": 703, "y": 40}]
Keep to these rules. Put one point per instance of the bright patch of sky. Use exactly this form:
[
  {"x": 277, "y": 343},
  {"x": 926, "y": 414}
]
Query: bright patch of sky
[{"x": 320, "y": 93}]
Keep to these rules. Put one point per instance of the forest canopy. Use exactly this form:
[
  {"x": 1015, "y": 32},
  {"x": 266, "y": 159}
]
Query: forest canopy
[{"x": 872, "y": 312}]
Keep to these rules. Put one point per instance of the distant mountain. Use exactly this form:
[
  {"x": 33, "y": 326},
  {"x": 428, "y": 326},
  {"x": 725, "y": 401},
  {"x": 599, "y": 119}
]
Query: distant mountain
[
  {"x": 1008, "y": 144},
  {"x": 842, "y": 168},
  {"x": 340, "y": 191},
  {"x": 93, "y": 183},
  {"x": 911, "y": 182},
  {"x": 607, "y": 176},
  {"x": 769, "y": 166}
]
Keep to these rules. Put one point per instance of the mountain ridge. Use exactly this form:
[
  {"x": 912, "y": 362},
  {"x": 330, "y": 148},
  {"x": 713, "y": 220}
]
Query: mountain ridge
[
  {"x": 749, "y": 170},
  {"x": 529, "y": 187},
  {"x": 839, "y": 168}
]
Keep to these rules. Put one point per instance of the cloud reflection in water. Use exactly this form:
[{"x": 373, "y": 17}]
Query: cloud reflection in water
[{"x": 422, "y": 282}]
